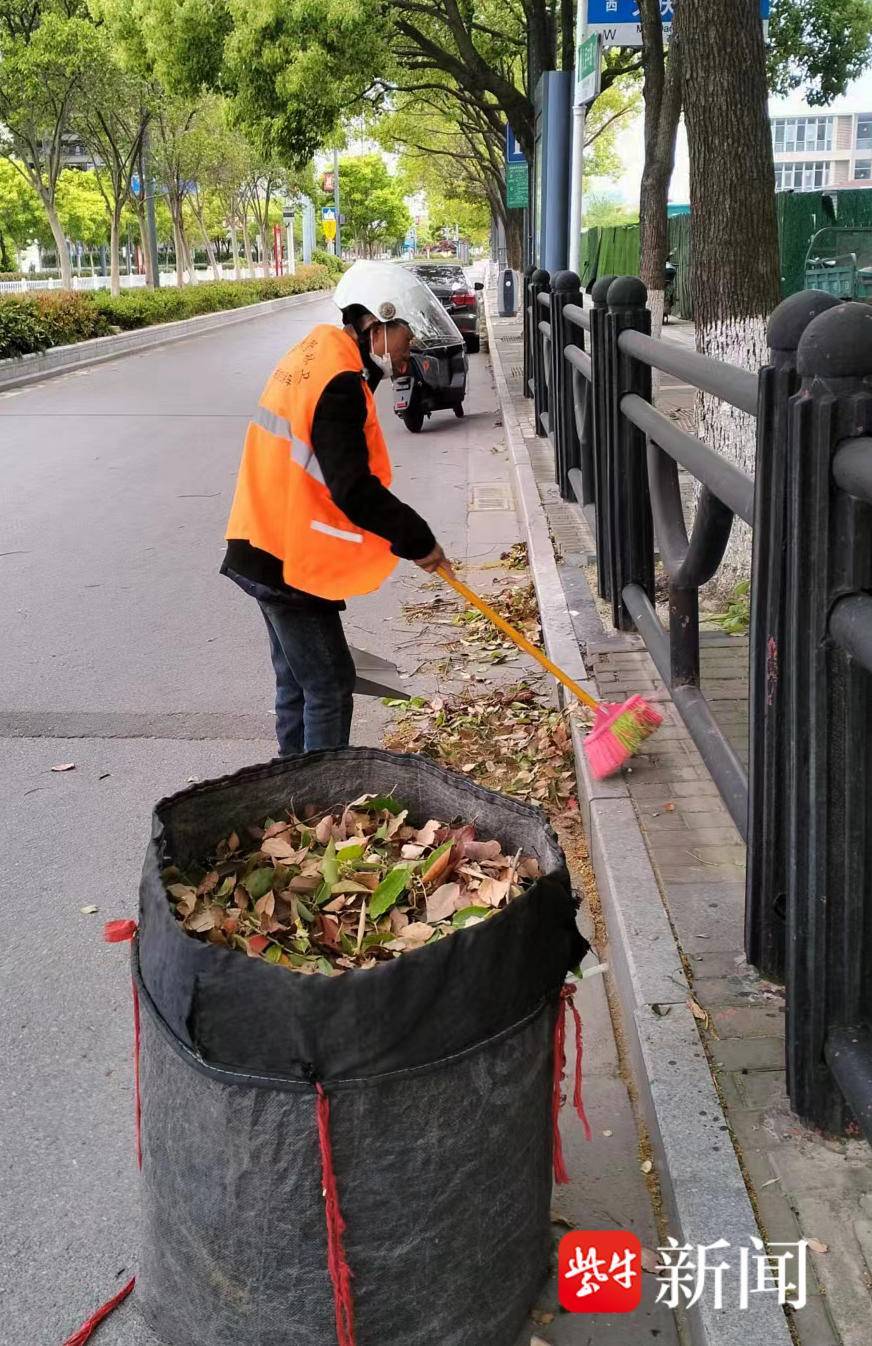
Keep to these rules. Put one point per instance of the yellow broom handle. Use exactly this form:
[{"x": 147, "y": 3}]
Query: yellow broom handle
[{"x": 520, "y": 640}]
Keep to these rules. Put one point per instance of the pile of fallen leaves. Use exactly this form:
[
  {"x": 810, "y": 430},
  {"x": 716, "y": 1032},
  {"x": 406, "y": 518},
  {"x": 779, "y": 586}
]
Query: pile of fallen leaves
[
  {"x": 327, "y": 892},
  {"x": 517, "y": 604},
  {"x": 509, "y": 740}
]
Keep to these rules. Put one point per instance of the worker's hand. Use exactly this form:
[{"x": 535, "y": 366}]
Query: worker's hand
[{"x": 434, "y": 559}]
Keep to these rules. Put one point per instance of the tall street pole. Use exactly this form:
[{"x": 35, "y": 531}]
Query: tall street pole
[
  {"x": 579, "y": 112},
  {"x": 338, "y": 243},
  {"x": 150, "y": 221}
]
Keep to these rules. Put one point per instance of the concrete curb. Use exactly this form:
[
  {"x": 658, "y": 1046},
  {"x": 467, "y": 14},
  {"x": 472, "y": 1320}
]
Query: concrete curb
[
  {"x": 24, "y": 369},
  {"x": 697, "y": 1166}
]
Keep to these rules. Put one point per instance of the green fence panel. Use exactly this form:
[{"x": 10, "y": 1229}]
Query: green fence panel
[
  {"x": 678, "y": 245},
  {"x": 590, "y": 246}
]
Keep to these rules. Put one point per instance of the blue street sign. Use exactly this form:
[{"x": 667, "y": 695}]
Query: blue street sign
[
  {"x": 514, "y": 153},
  {"x": 618, "y": 20}
]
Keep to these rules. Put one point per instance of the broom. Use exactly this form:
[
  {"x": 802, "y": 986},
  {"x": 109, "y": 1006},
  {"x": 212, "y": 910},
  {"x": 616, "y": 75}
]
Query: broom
[{"x": 618, "y": 730}]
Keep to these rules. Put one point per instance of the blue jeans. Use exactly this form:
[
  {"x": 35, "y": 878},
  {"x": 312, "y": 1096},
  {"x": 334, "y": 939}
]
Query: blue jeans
[{"x": 315, "y": 677}]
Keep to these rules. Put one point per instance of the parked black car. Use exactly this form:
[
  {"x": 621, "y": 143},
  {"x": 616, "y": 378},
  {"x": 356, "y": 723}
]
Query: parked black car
[{"x": 449, "y": 283}]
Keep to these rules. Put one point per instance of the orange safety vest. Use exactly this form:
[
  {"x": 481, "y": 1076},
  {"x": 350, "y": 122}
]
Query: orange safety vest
[{"x": 282, "y": 504}]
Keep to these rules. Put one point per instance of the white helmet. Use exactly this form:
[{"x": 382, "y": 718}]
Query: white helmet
[{"x": 391, "y": 293}]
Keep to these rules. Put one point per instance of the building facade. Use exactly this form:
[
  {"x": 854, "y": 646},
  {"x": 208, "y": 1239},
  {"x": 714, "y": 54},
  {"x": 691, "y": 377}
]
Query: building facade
[{"x": 816, "y": 150}]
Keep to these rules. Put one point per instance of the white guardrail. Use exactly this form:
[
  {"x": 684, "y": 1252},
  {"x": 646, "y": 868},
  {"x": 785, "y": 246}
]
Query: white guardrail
[{"x": 131, "y": 282}]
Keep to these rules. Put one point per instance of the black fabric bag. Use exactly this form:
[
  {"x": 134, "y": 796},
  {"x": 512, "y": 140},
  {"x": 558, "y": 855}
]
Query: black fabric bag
[{"x": 438, "y": 1068}]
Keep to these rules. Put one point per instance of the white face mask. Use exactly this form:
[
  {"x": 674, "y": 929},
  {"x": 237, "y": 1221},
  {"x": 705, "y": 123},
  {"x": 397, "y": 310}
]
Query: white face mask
[{"x": 382, "y": 362}]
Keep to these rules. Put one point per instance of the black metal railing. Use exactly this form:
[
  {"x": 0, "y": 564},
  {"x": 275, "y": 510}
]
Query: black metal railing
[{"x": 805, "y": 805}]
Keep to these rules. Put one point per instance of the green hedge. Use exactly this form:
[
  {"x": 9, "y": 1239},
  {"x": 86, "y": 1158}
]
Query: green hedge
[{"x": 37, "y": 321}]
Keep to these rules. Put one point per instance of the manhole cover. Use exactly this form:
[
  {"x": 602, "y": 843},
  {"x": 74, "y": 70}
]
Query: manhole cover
[{"x": 490, "y": 495}]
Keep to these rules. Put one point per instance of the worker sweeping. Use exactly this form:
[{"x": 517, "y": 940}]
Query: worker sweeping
[{"x": 313, "y": 520}]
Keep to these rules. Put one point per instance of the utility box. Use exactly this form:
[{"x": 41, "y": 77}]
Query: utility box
[
  {"x": 508, "y": 301},
  {"x": 552, "y": 170}
]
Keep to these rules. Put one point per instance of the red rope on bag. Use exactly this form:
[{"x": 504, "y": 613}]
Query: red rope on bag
[
  {"x": 577, "y": 1098},
  {"x": 337, "y": 1263},
  {"x": 118, "y": 932},
  {"x": 567, "y": 993},
  {"x": 79, "y": 1338}
]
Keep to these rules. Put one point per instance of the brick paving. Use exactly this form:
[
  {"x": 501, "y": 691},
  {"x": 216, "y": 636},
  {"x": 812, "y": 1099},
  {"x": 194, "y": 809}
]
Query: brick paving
[{"x": 801, "y": 1184}]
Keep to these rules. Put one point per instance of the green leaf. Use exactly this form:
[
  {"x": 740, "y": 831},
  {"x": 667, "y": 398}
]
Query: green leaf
[
  {"x": 461, "y": 917},
  {"x": 390, "y": 888},
  {"x": 226, "y": 888},
  {"x": 259, "y": 882},
  {"x": 431, "y": 859},
  {"x": 273, "y": 954},
  {"x": 354, "y": 851},
  {"x": 325, "y": 966},
  {"x": 323, "y": 894},
  {"x": 387, "y": 803},
  {"x": 330, "y": 864},
  {"x": 304, "y": 912}
]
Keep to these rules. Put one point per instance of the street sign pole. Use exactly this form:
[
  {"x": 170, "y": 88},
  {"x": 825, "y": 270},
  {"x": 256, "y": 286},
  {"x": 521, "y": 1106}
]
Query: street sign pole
[
  {"x": 579, "y": 115},
  {"x": 338, "y": 243},
  {"x": 288, "y": 217}
]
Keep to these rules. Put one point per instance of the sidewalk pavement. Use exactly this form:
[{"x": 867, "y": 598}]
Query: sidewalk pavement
[{"x": 688, "y": 892}]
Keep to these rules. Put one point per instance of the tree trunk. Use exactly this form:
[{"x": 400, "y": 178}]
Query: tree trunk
[
  {"x": 246, "y": 244},
  {"x": 5, "y": 263},
  {"x": 264, "y": 248},
  {"x": 733, "y": 231},
  {"x": 60, "y": 241},
  {"x": 234, "y": 243},
  {"x": 662, "y": 91},
  {"x": 210, "y": 249},
  {"x": 515, "y": 239},
  {"x": 144, "y": 240},
  {"x": 179, "y": 244},
  {"x": 114, "y": 251}
]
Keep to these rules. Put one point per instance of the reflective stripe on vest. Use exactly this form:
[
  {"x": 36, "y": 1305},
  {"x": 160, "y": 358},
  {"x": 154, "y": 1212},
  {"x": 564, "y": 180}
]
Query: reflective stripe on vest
[{"x": 300, "y": 452}]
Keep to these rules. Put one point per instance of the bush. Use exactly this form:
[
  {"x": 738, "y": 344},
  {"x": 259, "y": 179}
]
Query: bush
[
  {"x": 334, "y": 265},
  {"x": 34, "y": 322}
]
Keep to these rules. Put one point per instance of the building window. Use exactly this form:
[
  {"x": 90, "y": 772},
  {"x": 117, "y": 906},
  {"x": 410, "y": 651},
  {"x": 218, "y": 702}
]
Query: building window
[
  {"x": 804, "y": 135},
  {"x": 864, "y": 133},
  {"x": 863, "y": 170},
  {"x": 802, "y": 176}
]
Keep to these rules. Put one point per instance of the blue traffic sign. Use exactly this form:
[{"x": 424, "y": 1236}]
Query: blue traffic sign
[
  {"x": 619, "y": 23},
  {"x": 514, "y": 153}
]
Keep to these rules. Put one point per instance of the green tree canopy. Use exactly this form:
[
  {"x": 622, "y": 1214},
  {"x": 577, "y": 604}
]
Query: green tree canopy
[
  {"x": 22, "y": 218},
  {"x": 372, "y": 202},
  {"x": 818, "y": 46}
]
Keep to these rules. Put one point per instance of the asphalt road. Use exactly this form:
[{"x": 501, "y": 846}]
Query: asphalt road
[{"x": 126, "y": 653}]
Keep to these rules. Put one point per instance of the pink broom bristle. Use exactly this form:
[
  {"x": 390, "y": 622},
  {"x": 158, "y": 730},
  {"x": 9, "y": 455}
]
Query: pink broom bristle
[{"x": 618, "y": 733}]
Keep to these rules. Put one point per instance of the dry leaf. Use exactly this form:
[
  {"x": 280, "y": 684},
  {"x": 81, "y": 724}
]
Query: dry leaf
[
  {"x": 64, "y": 766},
  {"x": 435, "y": 871},
  {"x": 493, "y": 892},
  {"x": 669, "y": 808},
  {"x": 443, "y": 902},
  {"x": 412, "y": 851},
  {"x": 426, "y": 836},
  {"x": 208, "y": 884},
  {"x": 89, "y": 911},
  {"x": 324, "y": 830},
  {"x": 646, "y": 1166},
  {"x": 277, "y": 848},
  {"x": 542, "y": 1317},
  {"x": 538, "y": 1341},
  {"x": 817, "y": 1246},
  {"x": 200, "y": 921},
  {"x": 233, "y": 842},
  {"x": 697, "y": 1011},
  {"x": 417, "y": 933},
  {"x": 399, "y": 920}
]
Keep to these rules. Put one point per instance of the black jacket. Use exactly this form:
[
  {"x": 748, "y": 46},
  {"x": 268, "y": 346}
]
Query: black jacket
[{"x": 339, "y": 444}]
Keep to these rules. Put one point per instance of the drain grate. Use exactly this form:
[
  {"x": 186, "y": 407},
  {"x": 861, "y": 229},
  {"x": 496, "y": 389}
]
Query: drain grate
[{"x": 491, "y": 495}]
